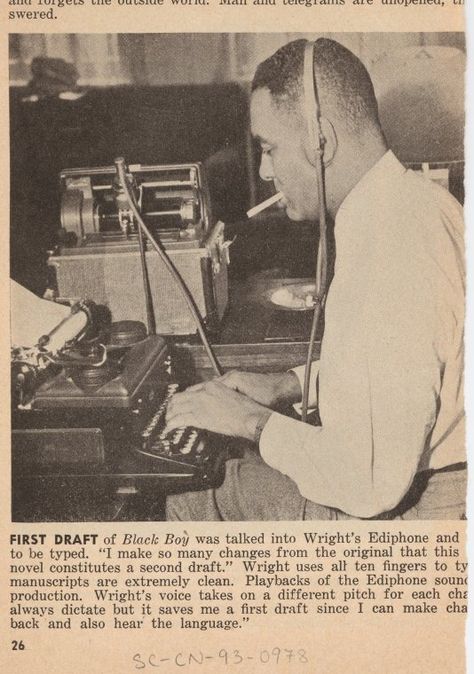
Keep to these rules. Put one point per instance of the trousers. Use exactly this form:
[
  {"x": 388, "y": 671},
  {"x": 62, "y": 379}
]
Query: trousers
[{"x": 253, "y": 491}]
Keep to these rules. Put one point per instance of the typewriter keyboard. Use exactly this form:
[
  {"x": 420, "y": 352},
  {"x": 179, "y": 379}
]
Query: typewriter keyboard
[{"x": 179, "y": 445}]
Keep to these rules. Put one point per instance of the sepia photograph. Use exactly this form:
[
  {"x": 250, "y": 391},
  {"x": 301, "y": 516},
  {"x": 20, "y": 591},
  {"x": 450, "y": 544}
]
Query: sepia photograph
[{"x": 237, "y": 276}]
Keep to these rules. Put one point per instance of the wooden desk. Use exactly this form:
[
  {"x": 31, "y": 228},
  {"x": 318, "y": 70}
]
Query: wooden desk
[
  {"x": 242, "y": 342},
  {"x": 251, "y": 311},
  {"x": 192, "y": 364}
]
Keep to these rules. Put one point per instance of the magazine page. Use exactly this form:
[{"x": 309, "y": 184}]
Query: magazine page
[{"x": 234, "y": 306}]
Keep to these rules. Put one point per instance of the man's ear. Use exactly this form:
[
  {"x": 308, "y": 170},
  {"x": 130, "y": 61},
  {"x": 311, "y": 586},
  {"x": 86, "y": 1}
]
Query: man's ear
[
  {"x": 330, "y": 141},
  {"x": 329, "y": 146}
]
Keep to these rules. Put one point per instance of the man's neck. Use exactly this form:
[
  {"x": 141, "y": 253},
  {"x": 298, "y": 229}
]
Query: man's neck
[{"x": 349, "y": 168}]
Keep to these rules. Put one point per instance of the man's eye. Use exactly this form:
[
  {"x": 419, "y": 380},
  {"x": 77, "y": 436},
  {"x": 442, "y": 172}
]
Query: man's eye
[{"x": 267, "y": 150}]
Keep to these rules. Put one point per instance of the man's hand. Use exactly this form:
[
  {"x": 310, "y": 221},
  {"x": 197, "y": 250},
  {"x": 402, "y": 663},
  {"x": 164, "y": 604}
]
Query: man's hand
[
  {"x": 269, "y": 390},
  {"x": 216, "y": 407}
]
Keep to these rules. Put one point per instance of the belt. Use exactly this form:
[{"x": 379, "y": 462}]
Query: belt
[{"x": 418, "y": 486}]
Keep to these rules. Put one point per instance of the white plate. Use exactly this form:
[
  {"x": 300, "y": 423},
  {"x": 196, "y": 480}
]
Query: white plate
[{"x": 294, "y": 297}]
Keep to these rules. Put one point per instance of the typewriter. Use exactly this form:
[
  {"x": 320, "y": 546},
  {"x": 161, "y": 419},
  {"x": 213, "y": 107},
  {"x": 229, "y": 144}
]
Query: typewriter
[{"x": 98, "y": 404}]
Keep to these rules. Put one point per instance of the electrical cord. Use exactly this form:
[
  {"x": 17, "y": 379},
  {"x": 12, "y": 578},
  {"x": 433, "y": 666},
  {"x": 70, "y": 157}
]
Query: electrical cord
[{"x": 317, "y": 140}]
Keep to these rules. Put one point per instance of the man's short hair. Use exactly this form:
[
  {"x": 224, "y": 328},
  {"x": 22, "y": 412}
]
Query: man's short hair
[{"x": 343, "y": 83}]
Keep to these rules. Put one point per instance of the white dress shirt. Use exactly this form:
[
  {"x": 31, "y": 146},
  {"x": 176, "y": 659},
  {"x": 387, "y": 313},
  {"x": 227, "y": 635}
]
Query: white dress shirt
[{"x": 391, "y": 366}]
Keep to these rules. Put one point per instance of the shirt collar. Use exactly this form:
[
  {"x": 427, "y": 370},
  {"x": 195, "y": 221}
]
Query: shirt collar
[{"x": 371, "y": 183}]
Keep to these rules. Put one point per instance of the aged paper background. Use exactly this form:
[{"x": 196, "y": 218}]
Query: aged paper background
[{"x": 338, "y": 644}]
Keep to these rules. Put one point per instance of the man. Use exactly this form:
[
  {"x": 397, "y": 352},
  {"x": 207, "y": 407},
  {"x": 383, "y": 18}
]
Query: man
[{"x": 388, "y": 385}]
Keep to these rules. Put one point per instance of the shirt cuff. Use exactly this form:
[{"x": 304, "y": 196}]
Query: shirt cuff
[{"x": 313, "y": 379}]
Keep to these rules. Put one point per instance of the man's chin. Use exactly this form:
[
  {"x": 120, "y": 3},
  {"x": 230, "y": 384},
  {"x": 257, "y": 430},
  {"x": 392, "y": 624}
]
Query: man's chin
[{"x": 293, "y": 214}]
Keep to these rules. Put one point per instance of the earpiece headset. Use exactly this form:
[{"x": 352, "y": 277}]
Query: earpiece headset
[{"x": 313, "y": 119}]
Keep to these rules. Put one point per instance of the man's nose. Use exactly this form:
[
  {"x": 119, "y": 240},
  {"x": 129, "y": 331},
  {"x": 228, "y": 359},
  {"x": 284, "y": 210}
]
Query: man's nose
[{"x": 266, "y": 167}]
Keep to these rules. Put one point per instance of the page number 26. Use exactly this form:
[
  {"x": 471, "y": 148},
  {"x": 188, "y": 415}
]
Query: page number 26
[{"x": 18, "y": 646}]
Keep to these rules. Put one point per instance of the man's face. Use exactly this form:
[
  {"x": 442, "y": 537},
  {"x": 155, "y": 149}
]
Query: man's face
[{"x": 282, "y": 135}]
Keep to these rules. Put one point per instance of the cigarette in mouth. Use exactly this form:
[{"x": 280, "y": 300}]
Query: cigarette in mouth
[{"x": 265, "y": 204}]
